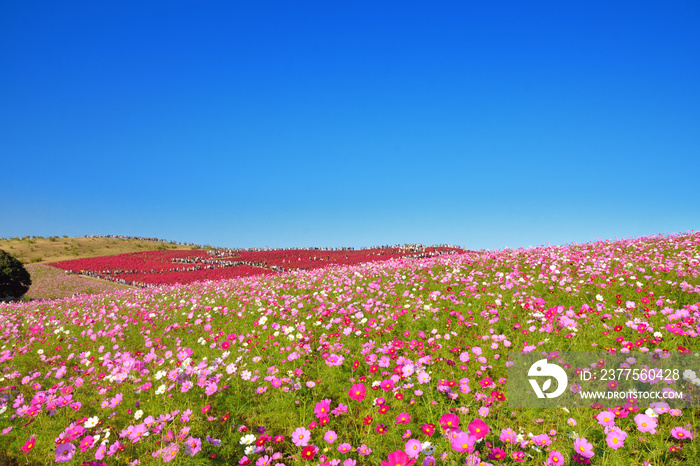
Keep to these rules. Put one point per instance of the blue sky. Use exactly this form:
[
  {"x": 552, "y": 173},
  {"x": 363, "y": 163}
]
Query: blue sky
[{"x": 246, "y": 124}]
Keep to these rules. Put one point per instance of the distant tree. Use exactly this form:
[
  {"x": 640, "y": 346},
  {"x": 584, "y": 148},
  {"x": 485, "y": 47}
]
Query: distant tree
[{"x": 14, "y": 278}]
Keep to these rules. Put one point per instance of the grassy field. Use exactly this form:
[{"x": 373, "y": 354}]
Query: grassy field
[
  {"x": 49, "y": 283},
  {"x": 54, "y": 249}
]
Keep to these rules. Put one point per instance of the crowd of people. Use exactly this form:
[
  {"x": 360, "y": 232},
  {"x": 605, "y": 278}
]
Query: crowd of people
[{"x": 142, "y": 238}]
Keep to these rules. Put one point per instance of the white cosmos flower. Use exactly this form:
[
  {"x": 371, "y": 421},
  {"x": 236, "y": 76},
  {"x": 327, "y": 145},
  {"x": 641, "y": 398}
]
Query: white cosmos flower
[
  {"x": 247, "y": 439},
  {"x": 160, "y": 390},
  {"x": 92, "y": 422}
]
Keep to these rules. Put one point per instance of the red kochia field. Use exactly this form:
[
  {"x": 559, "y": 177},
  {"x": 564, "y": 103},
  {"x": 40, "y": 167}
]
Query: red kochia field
[{"x": 171, "y": 267}]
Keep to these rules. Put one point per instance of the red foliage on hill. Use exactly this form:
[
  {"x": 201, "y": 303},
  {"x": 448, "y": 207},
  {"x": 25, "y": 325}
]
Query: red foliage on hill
[{"x": 170, "y": 267}]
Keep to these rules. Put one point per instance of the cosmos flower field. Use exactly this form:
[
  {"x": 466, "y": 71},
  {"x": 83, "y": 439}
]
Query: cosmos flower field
[{"x": 388, "y": 363}]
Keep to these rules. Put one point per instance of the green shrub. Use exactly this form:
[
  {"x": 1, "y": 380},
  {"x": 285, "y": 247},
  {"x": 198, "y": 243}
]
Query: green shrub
[{"x": 14, "y": 278}]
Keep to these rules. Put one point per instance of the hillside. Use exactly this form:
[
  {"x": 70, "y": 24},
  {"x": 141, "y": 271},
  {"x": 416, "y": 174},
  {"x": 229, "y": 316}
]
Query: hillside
[{"x": 54, "y": 248}]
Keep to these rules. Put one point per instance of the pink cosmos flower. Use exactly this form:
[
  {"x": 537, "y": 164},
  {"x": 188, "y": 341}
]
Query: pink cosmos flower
[
  {"x": 330, "y": 436},
  {"x": 583, "y": 448},
  {"x": 300, "y": 437},
  {"x": 341, "y": 409},
  {"x": 681, "y": 433},
  {"x": 364, "y": 450},
  {"x": 344, "y": 448},
  {"x": 64, "y": 452},
  {"x": 508, "y": 436},
  {"x": 398, "y": 458},
  {"x": 555, "y": 458},
  {"x": 616, "y": 438},
  {"x": 413, "y": 448},
  {"x": 463, "y": 442},
  {"x": 193, "y": 446},
  {"x": 170, "y": 452},
  {"x": 100, "y": 453},
  {"x": 606, "y": 418},
  {"x": 403, "y": 418},
  {"x": 646, "y": 423}
]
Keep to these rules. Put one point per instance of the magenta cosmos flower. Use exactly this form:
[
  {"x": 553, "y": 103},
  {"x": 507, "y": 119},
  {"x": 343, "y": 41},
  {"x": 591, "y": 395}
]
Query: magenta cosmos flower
[
  {"x": 357, "y": 392},
  {"x": 449, "y": 421},
  {"x": 322, "y": 408},
  {"x": 478, "y": 429},
  {"x": 583, "y": 448},
  {"x": 386, "y": 385},
  {"x": 398, "y": 458}
]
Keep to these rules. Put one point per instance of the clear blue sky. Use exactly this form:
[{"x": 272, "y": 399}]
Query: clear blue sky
[{"x": 485, "y": 124}]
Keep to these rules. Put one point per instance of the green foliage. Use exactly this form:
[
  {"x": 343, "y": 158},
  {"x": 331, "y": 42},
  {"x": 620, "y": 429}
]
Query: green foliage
[{"x": 14, "y": 278}]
